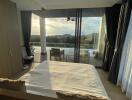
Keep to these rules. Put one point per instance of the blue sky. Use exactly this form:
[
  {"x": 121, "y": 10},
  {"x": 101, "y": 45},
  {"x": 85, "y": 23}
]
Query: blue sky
[{"x": 60, "y": 26}]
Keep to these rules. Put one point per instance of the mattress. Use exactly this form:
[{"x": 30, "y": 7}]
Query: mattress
[{"x": 66, "y": 78}]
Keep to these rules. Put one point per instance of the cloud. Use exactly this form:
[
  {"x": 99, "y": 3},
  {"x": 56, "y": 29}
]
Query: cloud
[
  {"x": 90, "y": 25},
  {"x": 35, "y": 29},
  {"x": 60, "y": 26}
]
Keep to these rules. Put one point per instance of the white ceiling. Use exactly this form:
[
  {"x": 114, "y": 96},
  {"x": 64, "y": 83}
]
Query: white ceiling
[{"x": 62, "y": 4}]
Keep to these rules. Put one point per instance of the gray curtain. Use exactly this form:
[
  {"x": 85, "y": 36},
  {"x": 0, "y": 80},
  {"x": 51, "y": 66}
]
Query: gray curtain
[
  {"x": 112, "y": 18},
  {"x": 121, "y": 34},
  {"x": 26, "y": 29},
  {"x": 77, "y": 35}
]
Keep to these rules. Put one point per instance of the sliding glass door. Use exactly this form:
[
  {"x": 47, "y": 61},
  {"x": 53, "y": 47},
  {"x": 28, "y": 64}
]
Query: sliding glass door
[
  {"x": 77, "y": 35},
  {"x": 89, "y": 39},
  {"x": 75, "y": 32}
]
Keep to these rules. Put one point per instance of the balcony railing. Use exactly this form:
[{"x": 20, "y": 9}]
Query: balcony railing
[{"x": 68, "y": 45}]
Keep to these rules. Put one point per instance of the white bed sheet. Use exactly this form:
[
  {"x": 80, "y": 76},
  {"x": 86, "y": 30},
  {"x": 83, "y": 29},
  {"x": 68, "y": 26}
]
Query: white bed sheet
[{"x": 71, "y": 77}]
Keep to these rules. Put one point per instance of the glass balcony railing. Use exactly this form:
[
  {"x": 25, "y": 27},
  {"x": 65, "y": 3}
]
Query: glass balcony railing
[{"x": 66, "y": 45}]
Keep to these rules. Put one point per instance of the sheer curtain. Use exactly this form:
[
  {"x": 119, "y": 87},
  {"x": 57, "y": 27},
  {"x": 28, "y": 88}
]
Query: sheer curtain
[{"x": 125, "y": 71}]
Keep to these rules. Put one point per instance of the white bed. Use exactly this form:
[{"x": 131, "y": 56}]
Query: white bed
[{"x": 72, "y": 78}]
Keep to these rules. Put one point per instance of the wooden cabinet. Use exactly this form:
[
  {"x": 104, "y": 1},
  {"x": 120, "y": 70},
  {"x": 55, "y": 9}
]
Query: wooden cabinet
[{"x": 10, "y": 49}]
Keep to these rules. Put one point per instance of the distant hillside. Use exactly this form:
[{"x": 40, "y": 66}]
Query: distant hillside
[
  {"x": 66, "y": 38},
  {"x": 35, "y": 38}
]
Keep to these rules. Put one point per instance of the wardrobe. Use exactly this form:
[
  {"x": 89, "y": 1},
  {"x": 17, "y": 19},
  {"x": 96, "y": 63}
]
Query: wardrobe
[{"x": 10, "y": 48}]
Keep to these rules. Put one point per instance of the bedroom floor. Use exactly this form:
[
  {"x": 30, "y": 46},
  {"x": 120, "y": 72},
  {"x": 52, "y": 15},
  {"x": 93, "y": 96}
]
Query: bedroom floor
[{"x": 112, "y": 90}]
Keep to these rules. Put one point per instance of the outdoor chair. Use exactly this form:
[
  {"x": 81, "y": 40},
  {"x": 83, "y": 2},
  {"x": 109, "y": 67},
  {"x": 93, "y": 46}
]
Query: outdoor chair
[{"x": 57, "y": 53}]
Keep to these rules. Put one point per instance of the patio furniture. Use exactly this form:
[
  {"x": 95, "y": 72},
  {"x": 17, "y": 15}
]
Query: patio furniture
[{"x": 57, "y": 53}]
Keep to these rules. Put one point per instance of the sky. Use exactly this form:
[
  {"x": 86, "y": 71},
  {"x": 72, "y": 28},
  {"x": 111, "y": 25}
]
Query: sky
[{"x": 60, "y": 26}]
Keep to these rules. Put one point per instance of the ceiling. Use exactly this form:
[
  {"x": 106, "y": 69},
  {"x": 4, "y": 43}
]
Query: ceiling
[{"x": 62, "y": 4}]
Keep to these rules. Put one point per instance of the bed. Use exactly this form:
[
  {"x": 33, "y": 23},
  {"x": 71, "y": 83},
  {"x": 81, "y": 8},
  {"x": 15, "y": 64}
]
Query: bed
[{"x": 65, "y": 81}]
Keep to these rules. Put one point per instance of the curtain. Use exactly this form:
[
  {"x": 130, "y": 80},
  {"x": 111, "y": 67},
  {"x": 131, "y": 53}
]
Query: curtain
[
  {"x": 121, "y": 34},
  {"x": 26, "y": 29},
  {"x": 125, "y": 72},
  {"x": 112, "y": 18},
  {"x": 77, "y": 35}
]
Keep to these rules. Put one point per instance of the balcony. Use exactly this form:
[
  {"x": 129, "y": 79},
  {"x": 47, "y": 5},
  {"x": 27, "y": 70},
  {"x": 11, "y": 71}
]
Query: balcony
[{"x": 87, "y": 56}]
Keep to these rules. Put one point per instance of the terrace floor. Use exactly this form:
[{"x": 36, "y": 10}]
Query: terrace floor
[{"x": 86, "y": 56}]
